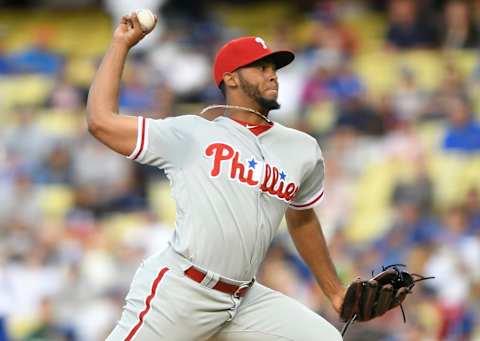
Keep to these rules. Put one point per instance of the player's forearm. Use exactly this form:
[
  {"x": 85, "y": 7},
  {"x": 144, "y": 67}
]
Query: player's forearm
[
  {"x": 307, "y": 235},
  {"x": 104, "y": 91}
]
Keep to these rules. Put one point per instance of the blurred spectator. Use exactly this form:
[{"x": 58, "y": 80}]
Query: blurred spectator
[
  {"x": 452, "y": 85},
  {"x": 315, "y": 89},
  {"x": 348, "y": 90},
  {"x": 463, "y": 133},
  {"x": 26, "y": 141},
  {"x": 472, "y": 205},
  {"x": 410, "y": 228},
  {"x": 459, "y": 31},
  {"x": 340, "y": 165},
  {"x": 135, "y": 95},
  {"x": 348, "y": 152},
  {"x": 103, "y": 179},
  {"x": 17, "y": 240},
  {"x": 455, "y": 226},
  {"x": 403, "y": 143},
  {"x": 57, "y": 167},
  {"x": 344, "y": 83},
  {"x": 323, "y": 50},
  {"x": 384, "y": 109},
  {"x": 408, "y": 99},
  {"x": 192, "y": 68},
  {"x": 64, "y": 95},
  {"x": 20, "y": 193},
  {"x": 30, "y": 280},
  {"x": 356, "y": 113},
  {"x": 313, "y": 96},
  {"x": 456, "y": 260},
  {"x": 418, "y": 190},
  {"x": 407, "y": 29},
  {"x": 47, "y": 328},
  {"x": 330, "y": 33}
]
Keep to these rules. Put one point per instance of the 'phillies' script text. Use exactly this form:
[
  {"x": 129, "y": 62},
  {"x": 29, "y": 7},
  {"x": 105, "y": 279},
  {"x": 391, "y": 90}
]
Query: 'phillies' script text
[{"x": 227, "y": 158}]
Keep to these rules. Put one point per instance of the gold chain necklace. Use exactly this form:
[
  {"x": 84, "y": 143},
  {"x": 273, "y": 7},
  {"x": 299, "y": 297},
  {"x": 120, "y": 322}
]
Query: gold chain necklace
[{"x": 227, "y": 106}]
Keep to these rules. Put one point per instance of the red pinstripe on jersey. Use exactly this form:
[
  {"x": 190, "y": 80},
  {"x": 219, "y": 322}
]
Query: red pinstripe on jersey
[
  {"x": 142, "y": 141},
  {"x": 148, "y": 302},
  {"x": 313, "y": 201}
]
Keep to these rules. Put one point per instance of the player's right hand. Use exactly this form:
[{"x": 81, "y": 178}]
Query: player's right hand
[{"x": 129, "y": 31}]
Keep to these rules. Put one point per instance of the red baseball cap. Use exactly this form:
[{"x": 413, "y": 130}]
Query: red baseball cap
[{"x": 243, "y": 51}]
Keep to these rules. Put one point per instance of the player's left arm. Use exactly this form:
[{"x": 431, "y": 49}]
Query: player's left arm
[{"x": 309, "y": 240}]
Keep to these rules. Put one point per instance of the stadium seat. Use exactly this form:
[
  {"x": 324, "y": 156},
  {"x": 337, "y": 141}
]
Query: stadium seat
[{"x": 56, "y": 200}]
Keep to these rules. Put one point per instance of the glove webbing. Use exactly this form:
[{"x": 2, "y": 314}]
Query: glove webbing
[{"x": 401, "y": 276}]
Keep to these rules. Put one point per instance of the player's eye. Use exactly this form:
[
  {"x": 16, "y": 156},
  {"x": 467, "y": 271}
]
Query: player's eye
[
  {"x": 263, "y": 66},
  {"x": 266, "y": 66}
]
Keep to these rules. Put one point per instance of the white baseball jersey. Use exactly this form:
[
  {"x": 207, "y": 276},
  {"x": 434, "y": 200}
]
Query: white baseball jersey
[{"x": 231, "y": 186}]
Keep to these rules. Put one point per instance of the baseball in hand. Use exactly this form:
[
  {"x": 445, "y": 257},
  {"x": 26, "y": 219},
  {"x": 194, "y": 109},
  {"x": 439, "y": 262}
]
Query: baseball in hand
[{"x": 146, "y": 19}]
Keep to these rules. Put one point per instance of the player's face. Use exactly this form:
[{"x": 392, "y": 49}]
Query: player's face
[{"x": 259, "y": 82}]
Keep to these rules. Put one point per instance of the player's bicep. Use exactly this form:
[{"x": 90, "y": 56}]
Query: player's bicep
[
  {"x": 117, "y": 132},
  {"x": 296, "y": 218}
]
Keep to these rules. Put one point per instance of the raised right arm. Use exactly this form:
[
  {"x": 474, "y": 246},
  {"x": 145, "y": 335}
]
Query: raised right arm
[{"x": 116, "y": 131}]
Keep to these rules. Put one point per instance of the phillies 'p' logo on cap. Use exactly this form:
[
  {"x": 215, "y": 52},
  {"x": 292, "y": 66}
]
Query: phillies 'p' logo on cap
[{"x": 243, "y": 51}]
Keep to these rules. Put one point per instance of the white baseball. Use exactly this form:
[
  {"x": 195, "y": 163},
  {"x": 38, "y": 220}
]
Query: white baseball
[{"x": 146, "y": 19}]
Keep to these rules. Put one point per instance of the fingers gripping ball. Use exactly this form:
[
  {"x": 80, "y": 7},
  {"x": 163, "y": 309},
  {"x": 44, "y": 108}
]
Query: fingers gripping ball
[{"x": 146, "y": 19}]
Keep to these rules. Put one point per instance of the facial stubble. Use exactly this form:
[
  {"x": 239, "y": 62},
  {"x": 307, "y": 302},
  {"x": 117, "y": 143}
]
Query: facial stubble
[{"x": 253, "y": 92}]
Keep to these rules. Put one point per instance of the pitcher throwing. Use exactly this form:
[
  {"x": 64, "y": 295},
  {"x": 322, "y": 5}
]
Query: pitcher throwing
[{"x": 234, "y": 175}]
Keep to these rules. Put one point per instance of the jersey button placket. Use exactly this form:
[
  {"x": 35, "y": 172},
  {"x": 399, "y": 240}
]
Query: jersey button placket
[{"x": 260, "y": 198}]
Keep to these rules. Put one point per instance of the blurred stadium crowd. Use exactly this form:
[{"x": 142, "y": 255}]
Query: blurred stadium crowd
[{"x": 389, "y": 88}]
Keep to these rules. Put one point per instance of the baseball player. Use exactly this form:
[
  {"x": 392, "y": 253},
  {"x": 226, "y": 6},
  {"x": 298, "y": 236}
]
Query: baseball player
[{"x": 234, "y": 177}]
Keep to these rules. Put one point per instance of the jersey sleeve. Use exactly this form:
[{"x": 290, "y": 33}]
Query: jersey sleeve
[
  {"x": 311, "y": 188},
  {"x": 162, "y": 143}
]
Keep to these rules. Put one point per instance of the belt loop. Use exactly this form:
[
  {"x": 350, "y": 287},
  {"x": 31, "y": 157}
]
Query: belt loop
[
  {"x": 210, "y": 279},
  {"x": 243, "y": 288}
]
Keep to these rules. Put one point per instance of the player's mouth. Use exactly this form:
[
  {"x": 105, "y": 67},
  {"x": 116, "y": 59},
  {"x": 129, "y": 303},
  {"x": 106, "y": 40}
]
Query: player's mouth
[{"x": 273, "y": 90}]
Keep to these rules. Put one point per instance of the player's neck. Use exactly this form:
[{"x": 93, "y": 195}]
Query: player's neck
[
  {"x": 247, "y": 117},
  {"x": 236, "y": 112}
]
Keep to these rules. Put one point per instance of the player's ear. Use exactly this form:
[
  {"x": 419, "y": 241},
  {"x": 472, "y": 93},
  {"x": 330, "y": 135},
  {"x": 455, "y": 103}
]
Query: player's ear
[{"x": 230, "y": 80}]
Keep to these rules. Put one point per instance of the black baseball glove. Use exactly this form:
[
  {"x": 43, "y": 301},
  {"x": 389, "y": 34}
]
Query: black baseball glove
[{"x": 368, "y": 299}]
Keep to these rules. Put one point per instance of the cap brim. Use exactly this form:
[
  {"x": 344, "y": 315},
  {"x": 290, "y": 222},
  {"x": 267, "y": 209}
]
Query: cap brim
[{"x": 281, "y": 58}]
